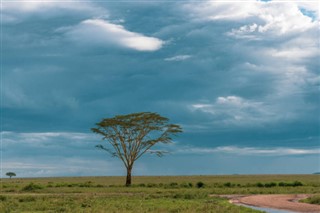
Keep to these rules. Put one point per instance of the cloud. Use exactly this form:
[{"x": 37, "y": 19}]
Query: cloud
[
  {"x": 178, "y": 58},
  {"x": 45, "y": 154},
  {"x": 276, "y": 151},
  {"x": 223, "y": 10},
  {"x": 253, "y": 88},
  {"x": 41, "y": 139},
  {"x": 236, "y": 110},
  {"x": 62, "y": 166},
  {"x": 16, "y": 12},
  {"x": 265, "y": 18},
  {"x": 102, "y": 32}
]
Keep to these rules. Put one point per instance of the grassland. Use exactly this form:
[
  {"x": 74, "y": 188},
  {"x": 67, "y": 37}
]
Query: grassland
[
  {"x": 147, "y": 194},
  {"x": 312, "y": 200}
]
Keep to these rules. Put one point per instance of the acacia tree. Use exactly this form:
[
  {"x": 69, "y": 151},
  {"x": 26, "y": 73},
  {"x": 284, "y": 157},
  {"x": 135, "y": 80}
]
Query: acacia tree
[
  {"x": 130, "y": 136},
  {"x": 10, "y": 174}
]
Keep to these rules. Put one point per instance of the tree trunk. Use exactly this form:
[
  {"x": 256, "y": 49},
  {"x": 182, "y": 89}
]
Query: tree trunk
[{"x": 128, "y": 180}]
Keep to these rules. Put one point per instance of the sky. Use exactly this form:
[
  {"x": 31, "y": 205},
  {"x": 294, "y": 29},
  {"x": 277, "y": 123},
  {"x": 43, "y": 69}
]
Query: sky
[{"x": 240, "y": 77}]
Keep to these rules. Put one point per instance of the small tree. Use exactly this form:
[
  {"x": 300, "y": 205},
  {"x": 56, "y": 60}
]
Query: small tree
[
  {"x": 132, "y": 135},
  {"x": 11, "y": 174}
]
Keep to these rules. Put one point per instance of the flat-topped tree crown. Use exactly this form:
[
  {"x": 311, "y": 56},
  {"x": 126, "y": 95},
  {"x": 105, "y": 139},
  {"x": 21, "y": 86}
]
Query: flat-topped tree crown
[
  {"x": 132, "y": 135},
  {"x": 11, "y": 174}
]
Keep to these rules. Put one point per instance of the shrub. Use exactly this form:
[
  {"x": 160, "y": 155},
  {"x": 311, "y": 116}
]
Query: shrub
[
  {"x": 259, "y": 184},
  {"x": 173, "y": 185},
  {"x": 294, "y": 184},
  {"x": 200, "y": 184},
  {"x": 3, "y": 198},
  {"x": 281, "y": 184},
  {"x": 31, "y": 187},
  {"x": 297, "y": 183},
  {"x": 228, "y": 184},
  {"x": 268, "y": 185}
]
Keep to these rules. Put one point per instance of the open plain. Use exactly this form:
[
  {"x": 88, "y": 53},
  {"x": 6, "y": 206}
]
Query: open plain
[{"x": 148, "y": 193}]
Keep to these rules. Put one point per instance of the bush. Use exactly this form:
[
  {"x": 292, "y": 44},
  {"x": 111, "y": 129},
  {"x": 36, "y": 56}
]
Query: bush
[
  {"x": 297, "y": 183},
  {"x": 259, "y": 184},
  {"x": 294, "y": 184},
  {"x": 268, "y": 185},
  {"x": 200, "y": 184},
  {"x": 228, "y": 184},
  {"x": 173, "y": 185},
  {"x": 281, "y": 184},
  {"x": 3, "y": 198},
  {"x": 31, "y": 187}
]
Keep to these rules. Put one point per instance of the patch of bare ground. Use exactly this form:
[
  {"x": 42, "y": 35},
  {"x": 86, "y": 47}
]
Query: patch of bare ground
[{"x": 284, "y": 202}]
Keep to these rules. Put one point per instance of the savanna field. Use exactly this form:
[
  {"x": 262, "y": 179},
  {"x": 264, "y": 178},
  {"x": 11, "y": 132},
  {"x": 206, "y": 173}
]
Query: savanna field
[{"x": 147, "y": 194}]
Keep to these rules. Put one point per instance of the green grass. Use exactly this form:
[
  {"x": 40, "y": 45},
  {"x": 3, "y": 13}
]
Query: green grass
[
  {"x": 312, "y": 200},
  {"x": 147, "y": 194}
]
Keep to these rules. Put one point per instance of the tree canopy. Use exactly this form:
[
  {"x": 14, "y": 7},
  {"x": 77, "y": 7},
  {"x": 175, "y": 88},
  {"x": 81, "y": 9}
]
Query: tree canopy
[{"x": 11, "y": 174}]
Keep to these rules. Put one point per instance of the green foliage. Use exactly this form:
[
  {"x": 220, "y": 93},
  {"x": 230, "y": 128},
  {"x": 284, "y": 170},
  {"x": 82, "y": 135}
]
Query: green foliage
[
  {"x": 312, "y": 200},
  {"x": 149, "y": 194},
  {"x": 131, "y": 136},
  {"x": 172, "y": 202},
  {"x": 271, "y": 184},
  {"x": 3, "y": 198},
  {"x": 186, "y": 185},
  {"x": 200, "y": 184},
  {"x": 294, "y": 184},
  {"x": 228, "y": 184},
  {"x": 31, "y": 187},
  {"x": 11, "y": 174}
]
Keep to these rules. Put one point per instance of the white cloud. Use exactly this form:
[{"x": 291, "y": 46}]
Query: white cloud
[
  {"x": 273, "y": 151},
  {"x": 223, "y": 10},
  {"x": 44, "y": 138},
  {"x": 102, "y": 32},
  {"x": 264, "y": 19},
  {"x": 14, "y": 12},
  {"x": 178, "y": 58},
  {"x": 234, "y": 110}
]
